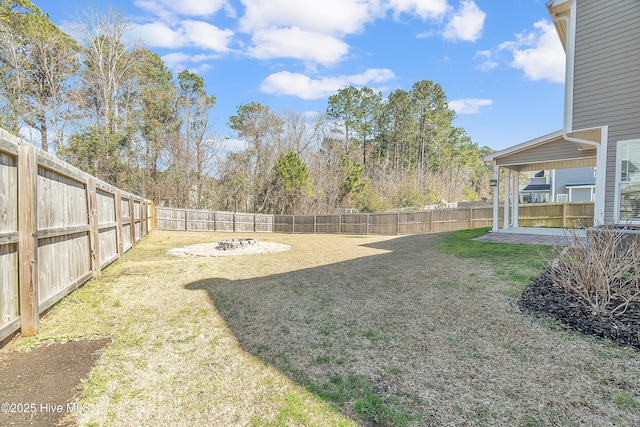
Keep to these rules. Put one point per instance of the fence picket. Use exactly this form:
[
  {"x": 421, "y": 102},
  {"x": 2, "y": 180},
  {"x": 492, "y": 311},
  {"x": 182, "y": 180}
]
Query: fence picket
[
  {"x": 58, "y": 227},
  {"x": 396, "y": 223}
]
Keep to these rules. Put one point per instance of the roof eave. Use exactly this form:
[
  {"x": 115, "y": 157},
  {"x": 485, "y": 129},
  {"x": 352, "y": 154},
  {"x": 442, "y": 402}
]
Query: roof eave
[
  {"x": 559, "y": 10},
  {"x": 523, "y": 146}
]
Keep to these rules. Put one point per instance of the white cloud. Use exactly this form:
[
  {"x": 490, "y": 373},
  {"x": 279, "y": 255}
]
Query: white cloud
[
  {"x": 538, "y": 53},
  {"x": 207, "y": 36},
  {"x": 488, "y": 61},
  {"x": 158, "y": 34},
  {"x": 169, "y": 8},
  {"x": 179, "y": 61},
  {"x": 304, "y": 87},
  {"x": 545, "y": 60},
  {"x": 232, "y": 145},
  {"x": 469, "y": 105},
  {"x": 425, "y": 9},
  {"x": 466, "y": 24},
  {"x": 314, "y": 30},
  {"x": 188, "y": 33},
  {"x": 319, "y": 16},
  {"x": 298, "y": 44}
]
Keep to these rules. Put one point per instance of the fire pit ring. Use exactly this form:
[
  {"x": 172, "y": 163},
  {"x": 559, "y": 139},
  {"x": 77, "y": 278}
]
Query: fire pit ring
[
  {"x": 229, "y": 247},
  {"x": 231, "y": 244}
]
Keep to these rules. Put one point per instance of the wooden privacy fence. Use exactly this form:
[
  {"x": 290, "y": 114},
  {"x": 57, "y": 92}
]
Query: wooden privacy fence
[
  {"x": 431, "y": 221},
  {"x": 570, "y": 214},
  {"x": 383, "y": 223},
  {"x": 59, "y": 227},
  {"x": 199, "y": 220}
]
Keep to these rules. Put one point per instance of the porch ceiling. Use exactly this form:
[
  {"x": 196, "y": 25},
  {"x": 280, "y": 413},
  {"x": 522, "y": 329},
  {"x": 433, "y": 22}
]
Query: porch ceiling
[{"x": 550, "y": 151}]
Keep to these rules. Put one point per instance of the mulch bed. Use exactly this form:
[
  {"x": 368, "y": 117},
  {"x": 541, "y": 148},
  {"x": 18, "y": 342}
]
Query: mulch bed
[
  {"x": 37, "y": 386},
  {"x": 544, "y": 299}
]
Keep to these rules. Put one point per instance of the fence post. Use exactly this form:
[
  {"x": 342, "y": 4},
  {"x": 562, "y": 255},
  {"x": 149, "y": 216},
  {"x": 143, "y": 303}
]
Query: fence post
[
  {"x": 293, "y": 224},
  {"x": 366, "y": 230},
  {"x": 470, "y": 217},
  {"x": 234, "y": 222},
  {"x": 27, "y": 232},
  {"x": 215, "y": 222},
  {"x": 94, "y": 232},
  {"x": 132, "y": 221},
  {"x": 397, "y": 223},
  {"x": 339, "y": 223},
  {"x": 117, "y": 197},
  {"x": 141, "y": 211},
  {"x": 254, "y": 223},
  {"x": 431, "y": 221},
  {"x": 314, "y": 224},
  {"x": 150, "y": 216},
  {"x": 564, "y": 215}
]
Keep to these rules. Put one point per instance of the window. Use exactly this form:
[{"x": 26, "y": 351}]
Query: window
[{"x": 628, "y": 184}]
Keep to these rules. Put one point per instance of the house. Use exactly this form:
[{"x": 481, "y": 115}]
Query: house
[
  {"x": 538, "y": 189},
  {"x": 561, "y": 185},
  {"x": 601, "y": 114}
]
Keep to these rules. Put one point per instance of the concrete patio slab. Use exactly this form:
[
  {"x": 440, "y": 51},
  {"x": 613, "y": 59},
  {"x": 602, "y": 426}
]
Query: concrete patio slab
[{"x": 533, "y": 236}]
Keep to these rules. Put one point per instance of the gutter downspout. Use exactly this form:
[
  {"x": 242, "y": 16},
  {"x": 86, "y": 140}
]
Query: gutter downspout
[{"x": 601, "y": 148}]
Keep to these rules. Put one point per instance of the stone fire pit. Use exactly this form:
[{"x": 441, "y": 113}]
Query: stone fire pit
[
  {"x": 230, "y": 247},
  {"x": 233, "y": 244}
]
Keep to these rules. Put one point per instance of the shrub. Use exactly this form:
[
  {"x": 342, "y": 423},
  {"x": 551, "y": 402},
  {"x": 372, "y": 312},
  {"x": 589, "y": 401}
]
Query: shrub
[{"x": 604, "y": 269}]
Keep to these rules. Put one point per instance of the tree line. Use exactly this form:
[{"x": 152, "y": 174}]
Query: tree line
[{"x": 116, "y": 111}]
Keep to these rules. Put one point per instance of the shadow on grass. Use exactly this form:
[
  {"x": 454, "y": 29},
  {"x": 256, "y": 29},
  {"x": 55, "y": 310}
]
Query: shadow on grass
[{"x": 383, "y": 338}]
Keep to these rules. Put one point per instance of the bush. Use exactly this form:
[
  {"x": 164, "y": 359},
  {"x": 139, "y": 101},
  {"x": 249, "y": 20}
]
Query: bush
[{"x": 604, "y": 270}]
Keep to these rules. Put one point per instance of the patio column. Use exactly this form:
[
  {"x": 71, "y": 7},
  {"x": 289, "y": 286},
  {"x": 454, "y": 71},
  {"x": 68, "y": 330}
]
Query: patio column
[
  {"x": 515, "y": 199},
  {"x": 496, "y": 199},
  {"x": 507, "y": 179}
]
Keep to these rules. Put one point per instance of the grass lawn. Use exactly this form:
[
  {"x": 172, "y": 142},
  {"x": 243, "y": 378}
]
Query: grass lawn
[{"x": 338, "y": 331}]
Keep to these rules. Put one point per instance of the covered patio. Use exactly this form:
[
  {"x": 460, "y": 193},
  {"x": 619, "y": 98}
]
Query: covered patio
[{"x": 549, "y": 152}]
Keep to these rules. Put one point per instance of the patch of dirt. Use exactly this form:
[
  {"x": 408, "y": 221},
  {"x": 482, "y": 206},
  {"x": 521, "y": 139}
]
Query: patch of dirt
[
  {"x": 543, "y": 298},
  {"x": 40, "y": 387},
  {"x": 211, "y": 250}
]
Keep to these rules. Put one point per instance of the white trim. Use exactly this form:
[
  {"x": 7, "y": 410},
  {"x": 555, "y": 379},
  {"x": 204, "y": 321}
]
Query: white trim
[
  {"x": 616, "y": 196},
  {"x": 580, "y": 187},
  {"x": 496, "y": 199},
  {"x": 515, "y": 199},
  {"x": 507, "y": 183},
  {"x": 601, "y": 178},
  {"x": 570, "y": 66}
]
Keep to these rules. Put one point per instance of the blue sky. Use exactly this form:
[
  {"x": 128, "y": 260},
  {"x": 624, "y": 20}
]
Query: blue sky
[{"x": 499, "y": 62}]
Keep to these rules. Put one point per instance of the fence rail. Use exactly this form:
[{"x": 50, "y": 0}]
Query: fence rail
[
  {"x": 58, "y": 228},
  {"x": 430, "y": 221},
  {"x": 199, "y": 220}
]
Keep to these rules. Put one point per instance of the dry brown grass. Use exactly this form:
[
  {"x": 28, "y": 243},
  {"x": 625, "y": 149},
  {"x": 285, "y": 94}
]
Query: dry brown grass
[{"x": 380, "y": 327}]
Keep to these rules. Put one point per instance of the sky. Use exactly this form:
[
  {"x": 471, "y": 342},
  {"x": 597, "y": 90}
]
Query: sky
[{"x": 500, "y": 63}]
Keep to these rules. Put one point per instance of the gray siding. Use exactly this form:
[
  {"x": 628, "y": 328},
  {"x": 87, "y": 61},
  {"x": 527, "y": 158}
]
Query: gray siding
[
  {"x": 574, "y": 176},
  {"x": 606, "y": 87}
]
